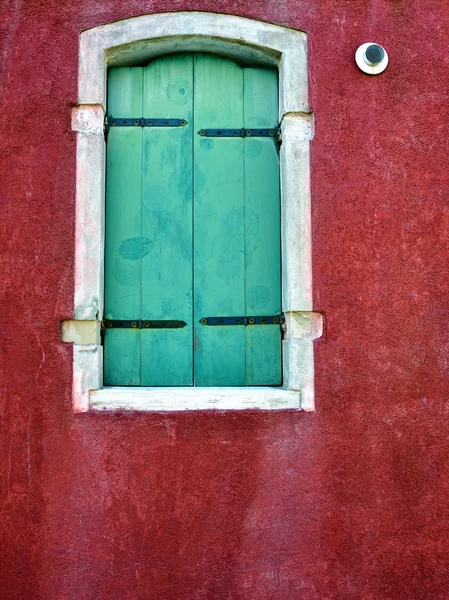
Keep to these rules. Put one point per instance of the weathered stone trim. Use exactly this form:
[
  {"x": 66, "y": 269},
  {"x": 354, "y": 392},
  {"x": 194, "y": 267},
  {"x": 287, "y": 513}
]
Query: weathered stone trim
[
  {"x": 87, "y": 374},
  {"x": 137, "y": 41},
  {"x": 88, "y": 121},
  {"x": 140, "y": 39}
]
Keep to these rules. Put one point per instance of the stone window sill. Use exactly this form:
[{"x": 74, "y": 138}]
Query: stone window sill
[{"x": 193, "y": 398}]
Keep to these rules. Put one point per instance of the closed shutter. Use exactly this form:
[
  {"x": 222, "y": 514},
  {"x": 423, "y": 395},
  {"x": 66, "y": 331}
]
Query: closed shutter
[{"x": 192, "y": 225}]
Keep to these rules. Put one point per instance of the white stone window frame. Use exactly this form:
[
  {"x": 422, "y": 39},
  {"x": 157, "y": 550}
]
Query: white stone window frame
[{"x": 136, "y": 41}]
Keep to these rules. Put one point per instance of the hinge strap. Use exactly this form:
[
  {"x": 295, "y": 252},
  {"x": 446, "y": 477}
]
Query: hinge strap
[
  {"x": 143, "y": 122},
  {"x": 142, "y": 324},
  {"x": 273, "y": 320},
  {"x": 273, "y": 132}
]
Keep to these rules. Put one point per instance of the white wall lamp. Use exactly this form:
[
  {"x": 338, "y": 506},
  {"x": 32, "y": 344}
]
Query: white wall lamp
[{"x": 371, "y": 58}]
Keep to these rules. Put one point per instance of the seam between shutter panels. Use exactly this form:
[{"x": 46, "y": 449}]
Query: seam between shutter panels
[{"x": 244, "y": 224}]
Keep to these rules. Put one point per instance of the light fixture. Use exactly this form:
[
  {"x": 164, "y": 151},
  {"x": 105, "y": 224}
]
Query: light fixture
[{"x": 371, "y": 58}]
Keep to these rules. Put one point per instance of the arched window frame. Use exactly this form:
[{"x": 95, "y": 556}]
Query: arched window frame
[{"x": 137, "y": 41}]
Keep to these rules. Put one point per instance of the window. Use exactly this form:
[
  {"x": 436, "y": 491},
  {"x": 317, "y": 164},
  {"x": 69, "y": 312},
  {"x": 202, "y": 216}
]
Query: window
[
  {"x": 192, "y": 225},
  {"x": 138, "y": 42}
]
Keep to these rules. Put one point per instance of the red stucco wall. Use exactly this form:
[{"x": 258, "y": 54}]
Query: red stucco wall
[{"x": 346, "y": 503}]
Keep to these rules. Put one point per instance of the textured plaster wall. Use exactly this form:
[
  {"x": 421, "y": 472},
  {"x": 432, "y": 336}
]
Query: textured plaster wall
[{"x": 347, "y": 503}]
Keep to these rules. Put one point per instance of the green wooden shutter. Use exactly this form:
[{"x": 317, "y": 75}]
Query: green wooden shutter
[
  {"x": 123, "y": 271},
  {"x": 167, "y": 222},
  {"x": 192, "y": 225}
]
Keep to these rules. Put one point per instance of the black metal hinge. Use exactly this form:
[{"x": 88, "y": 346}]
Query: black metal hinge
[
  {"x": 274, "y": 320},
  {"x": 142, "y": 122},
  {"x": 142, "y": 324},
  {"x": 273, "y": 132}
]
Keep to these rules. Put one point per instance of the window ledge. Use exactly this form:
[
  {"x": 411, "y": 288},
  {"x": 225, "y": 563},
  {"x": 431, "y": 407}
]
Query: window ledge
[{"x": 193, "y": 398}]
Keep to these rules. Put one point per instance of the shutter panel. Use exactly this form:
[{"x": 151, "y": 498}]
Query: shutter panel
[
  {"x": 219, "y": 242},
  {"x": 237, "y": 225},
  {"x": 262, "y": 229},
  {"x": 167, "y": 355},
  {"x": 123, "y": 229}
]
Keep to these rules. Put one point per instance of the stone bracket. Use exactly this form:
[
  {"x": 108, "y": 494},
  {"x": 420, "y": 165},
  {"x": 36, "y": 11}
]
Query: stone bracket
[
  {"x": 88, "y": 119},
  {"x": 303, "y": 325},
  {"x": 297, "y": 127},
  {"x": 82, "y": 333}
]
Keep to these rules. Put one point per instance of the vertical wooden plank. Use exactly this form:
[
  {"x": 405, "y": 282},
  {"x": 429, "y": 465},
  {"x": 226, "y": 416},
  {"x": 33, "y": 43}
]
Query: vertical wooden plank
[
  {"x": 219, "y": 357},
  {"x": 123, "y": 248},
  {"x": 262, "y": 229},
  {"x": 167, "y": 355}
]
